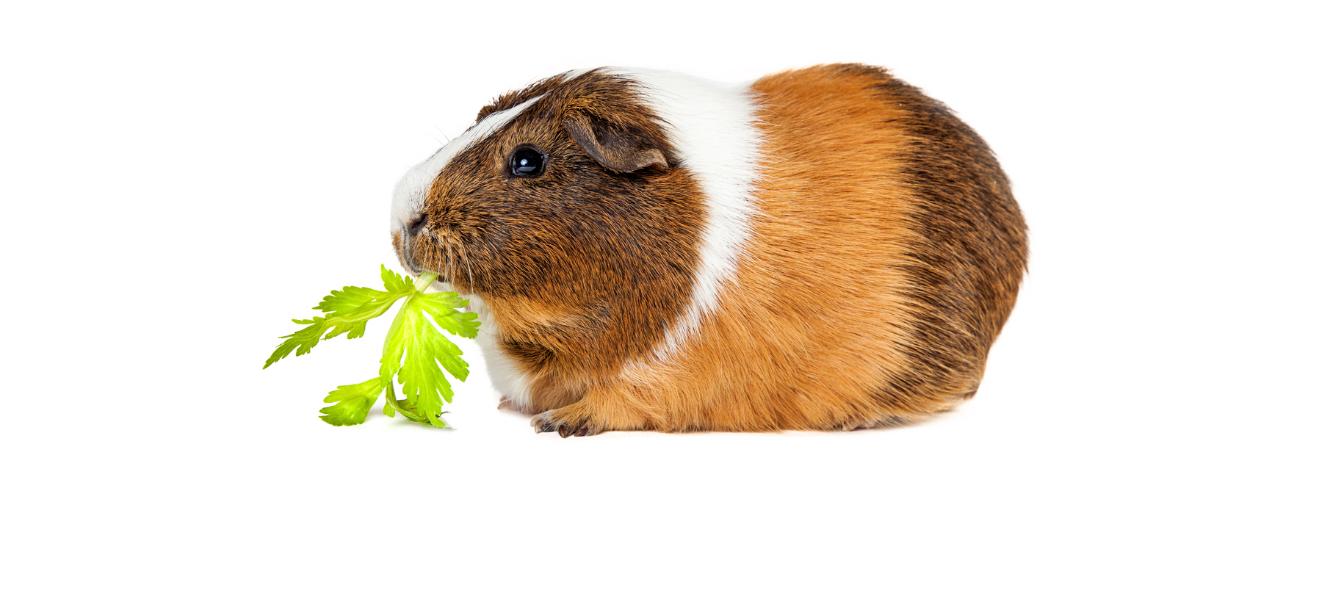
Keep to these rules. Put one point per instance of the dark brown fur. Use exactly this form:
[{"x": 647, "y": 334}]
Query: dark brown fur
[{"x": 970, "y": 249}]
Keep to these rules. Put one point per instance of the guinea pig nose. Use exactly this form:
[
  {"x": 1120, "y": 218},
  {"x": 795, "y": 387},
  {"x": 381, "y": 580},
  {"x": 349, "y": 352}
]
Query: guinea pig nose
[{"x": 416, "y": 224}]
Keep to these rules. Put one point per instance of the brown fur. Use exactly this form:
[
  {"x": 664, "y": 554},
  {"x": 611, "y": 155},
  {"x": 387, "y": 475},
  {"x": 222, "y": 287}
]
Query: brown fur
[{"x": 884, "y": 259}]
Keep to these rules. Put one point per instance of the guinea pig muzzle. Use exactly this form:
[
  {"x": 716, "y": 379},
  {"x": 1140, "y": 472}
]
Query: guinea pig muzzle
[
  {"x": 401, "y": 249},
  {"x": 403, "y": 242}
]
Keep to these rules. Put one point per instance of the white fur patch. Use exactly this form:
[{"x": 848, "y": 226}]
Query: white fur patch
[
  {"x": 506, "y": 376},
  {"x": 412, "y": 189},
  {"x": 713, "y": 128}
]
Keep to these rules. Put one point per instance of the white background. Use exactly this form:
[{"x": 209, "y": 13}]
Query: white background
[{"x": 181, "y": 180}]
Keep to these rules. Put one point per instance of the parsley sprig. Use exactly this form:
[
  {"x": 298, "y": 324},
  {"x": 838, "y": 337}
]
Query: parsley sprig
[{"x": 415, "y": 349}]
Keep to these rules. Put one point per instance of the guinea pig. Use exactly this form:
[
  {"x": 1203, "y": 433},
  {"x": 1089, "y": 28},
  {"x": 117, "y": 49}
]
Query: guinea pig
[{"x": 822, "y": 249}]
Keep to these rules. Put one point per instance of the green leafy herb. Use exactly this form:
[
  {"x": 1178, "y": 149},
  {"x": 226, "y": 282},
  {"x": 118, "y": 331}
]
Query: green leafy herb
[{"x": 415, "y": 349}]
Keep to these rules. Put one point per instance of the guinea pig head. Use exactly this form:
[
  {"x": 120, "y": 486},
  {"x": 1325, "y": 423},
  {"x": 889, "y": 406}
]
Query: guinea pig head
[{"x": 567, "y": 193}]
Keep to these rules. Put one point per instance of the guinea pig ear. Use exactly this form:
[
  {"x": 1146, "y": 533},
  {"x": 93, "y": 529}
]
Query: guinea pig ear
[{"x": 619, "y": 148}]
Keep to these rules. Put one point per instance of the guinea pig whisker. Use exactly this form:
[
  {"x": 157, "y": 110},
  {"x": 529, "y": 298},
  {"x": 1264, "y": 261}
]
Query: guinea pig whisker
[
  {"x": 440, "y": 134},
  {"x": 449, "y": 259},
  {"x": 468, "y": 266}
]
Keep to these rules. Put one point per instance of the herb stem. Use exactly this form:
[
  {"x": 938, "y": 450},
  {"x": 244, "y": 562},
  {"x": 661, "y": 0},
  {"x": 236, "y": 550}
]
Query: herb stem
[{"x": 424, "y": 280}]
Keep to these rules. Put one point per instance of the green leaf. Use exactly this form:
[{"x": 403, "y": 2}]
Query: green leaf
[
  {"x": 442, "y": 307},
  {"x": 351, "y": 402},
  {"x": 416, "y": 354},
  {"x": 347, "y": 311},
  {"x": 395, "y": 282},
  {"x": 301, "y": 341}
]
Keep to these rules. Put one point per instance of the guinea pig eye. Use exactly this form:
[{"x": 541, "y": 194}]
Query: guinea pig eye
[{"x": 527, "y": 161}]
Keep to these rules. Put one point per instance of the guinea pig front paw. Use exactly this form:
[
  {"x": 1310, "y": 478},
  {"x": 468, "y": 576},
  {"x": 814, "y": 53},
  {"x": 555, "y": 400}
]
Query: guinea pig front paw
[
  {"x": 507, "y": 405},
  {"x": 567, "y": 421}
]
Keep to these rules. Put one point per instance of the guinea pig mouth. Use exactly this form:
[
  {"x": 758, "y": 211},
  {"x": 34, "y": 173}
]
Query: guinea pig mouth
[
  {"x": 437, "y": 252},
  {"x": 447, "y": 260}
]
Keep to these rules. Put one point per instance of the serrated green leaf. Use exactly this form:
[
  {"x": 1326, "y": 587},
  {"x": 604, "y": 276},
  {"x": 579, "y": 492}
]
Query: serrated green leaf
[
  {"x": 351, "y": 402},
  {"x": 416, "y": 354},
  {"x": 420, "y": 356},
  {"x": 301, "y": 341},
  {"x": 395, "y": 282},
  {"x": 347, "y": 311},
  {"x": 442, "y": 307}
]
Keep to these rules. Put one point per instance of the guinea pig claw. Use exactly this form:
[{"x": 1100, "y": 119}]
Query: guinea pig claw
[
  {"x": 541, "y": 424},
  {"x": 553, "y": 421},
  {"x": 566, "y": 430}
]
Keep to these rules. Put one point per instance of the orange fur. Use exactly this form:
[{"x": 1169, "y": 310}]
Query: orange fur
[
  {"x": 884, "y": 255},
  {"x": 822, "y": 321}
]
